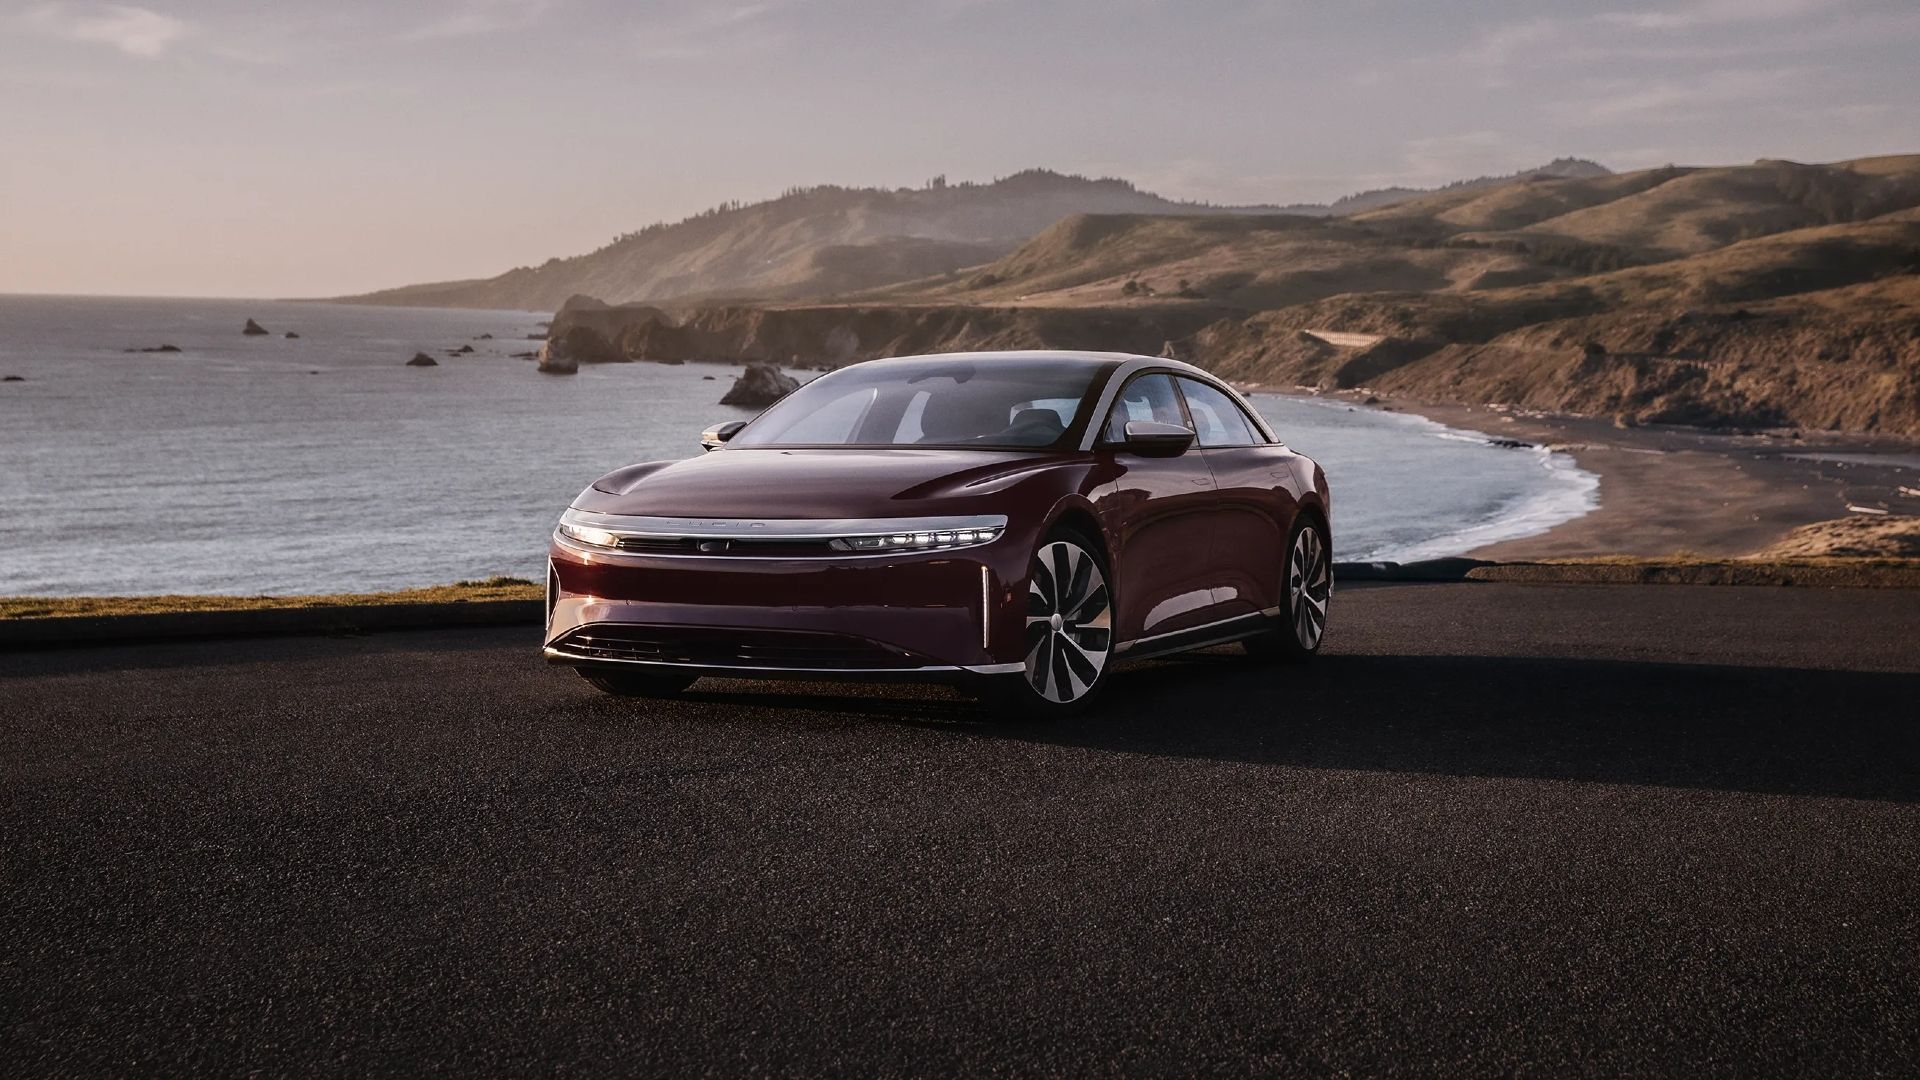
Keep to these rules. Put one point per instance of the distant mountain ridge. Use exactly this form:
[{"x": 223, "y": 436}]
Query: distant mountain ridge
[
  {"x": 825, "y": 241},
  {"x": 1773, "y": 294},
  {"x": 1566, "y": 168}
]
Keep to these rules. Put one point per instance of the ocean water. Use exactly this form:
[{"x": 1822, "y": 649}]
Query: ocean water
[{"x": 263, "y": 465}]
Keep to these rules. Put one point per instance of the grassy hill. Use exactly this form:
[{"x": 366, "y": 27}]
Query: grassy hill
[
  {"x": 809, "y": 242},
  {"x": 1770, "y": 294},
  {"x": 828, "y": 241}
]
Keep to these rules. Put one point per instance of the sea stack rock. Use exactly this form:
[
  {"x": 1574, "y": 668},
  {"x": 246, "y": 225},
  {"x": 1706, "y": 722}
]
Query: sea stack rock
[
  {"x": 13, "y": 378},
  {"x": 461, "y": 351},
  {"x": 291, "y": 336},
  {"x": 761, "y": 385},
  {"x": 556, "y": 361},
  {"x": 253, "y": 329},
  {"x": 421, "y": 359}
]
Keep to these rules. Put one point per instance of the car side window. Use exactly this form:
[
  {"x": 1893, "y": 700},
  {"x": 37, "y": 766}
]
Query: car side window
[
  {"x": 1147, "y": 397},
  {"x": 1217, "y": 419}
]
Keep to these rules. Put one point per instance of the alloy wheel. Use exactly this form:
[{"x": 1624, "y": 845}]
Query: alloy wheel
[
  {"x": 1309, "y": 586},
  {"x": 1069, "y": 622}
]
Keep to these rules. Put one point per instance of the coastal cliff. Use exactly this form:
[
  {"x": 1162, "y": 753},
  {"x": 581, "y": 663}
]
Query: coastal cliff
[
  {"x": 1769, "y": 295},
  {"x": 826, "y": 336}
]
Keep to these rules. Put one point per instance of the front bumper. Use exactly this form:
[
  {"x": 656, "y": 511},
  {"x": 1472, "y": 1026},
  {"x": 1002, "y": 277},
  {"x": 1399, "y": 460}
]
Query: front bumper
[{"x": 916, "y": 615}]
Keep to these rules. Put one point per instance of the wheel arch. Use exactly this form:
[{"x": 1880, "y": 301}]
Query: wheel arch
[
  {"x": 1312, "y": 507},
  {"x": 1079, "y": 516}
]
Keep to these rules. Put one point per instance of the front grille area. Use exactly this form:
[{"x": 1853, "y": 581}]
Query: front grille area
[
  {"x": 703, "y": 647},
  {"x": 765, "y": 549}
]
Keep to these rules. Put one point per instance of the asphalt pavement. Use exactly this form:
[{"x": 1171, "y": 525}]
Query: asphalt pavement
[{"x": 1497, "y": 829}]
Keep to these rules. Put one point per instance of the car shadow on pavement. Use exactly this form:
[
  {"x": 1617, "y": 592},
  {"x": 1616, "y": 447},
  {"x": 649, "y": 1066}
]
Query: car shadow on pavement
[{"x": 1768, "y": 730}]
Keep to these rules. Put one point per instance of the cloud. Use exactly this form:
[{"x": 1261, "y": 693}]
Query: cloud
[
  {"x": 470, "y": 18},
  {"x": 1513, "y": 41},
  {"x": 1669, "y": 100},
  {"x": 736, "y": 28},
  {"x": 1699, "y": 13},
  {"x": 135, "y": 31}
]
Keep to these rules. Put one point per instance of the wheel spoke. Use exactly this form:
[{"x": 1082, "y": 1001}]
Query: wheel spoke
[
  {"x": 1063, "y": 685},
  {"x": 1091, "y": 638},
  {"x": 1076, "y": 592},
  {"x": 1078, "y": 662},
  {"x": 1092, "y": 607},
  {"x": 1061, "y": 576},
  {"x": 1040, "y": 663},
  {"x": 1040, "y": 591}
]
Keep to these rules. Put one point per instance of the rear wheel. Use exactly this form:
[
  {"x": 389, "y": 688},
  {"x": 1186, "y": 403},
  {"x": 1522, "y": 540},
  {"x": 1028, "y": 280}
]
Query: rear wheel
[
  {"x": 1309, "y": 592},
  {"x": 638, "y": 683},
  {"x": 1069, "y": 631}
]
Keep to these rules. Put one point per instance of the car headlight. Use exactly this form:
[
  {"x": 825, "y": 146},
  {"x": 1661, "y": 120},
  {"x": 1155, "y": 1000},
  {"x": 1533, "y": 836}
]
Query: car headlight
[
  {"x": 575, "y": 527},
  {"x": 915, "y": 541}
]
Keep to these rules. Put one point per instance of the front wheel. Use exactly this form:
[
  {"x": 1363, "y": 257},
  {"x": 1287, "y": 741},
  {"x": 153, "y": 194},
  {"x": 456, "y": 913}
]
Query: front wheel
[
  {"x": 1069, "y": 631},
  {"x": 1309, "y": 591},
  {"x": 665, "y": 683}
]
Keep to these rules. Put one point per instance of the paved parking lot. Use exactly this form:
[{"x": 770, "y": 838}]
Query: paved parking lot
[{"x": 1496, "y": 829}]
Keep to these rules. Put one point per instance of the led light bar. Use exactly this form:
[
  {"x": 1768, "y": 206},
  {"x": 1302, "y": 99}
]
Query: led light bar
[
  {"x": 916, "y": 541},
  {"x": 620, "y": 532}
]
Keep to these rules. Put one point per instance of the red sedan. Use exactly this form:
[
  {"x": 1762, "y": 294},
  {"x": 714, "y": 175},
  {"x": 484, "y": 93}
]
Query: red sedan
[{"x": 1018, "y": 522}]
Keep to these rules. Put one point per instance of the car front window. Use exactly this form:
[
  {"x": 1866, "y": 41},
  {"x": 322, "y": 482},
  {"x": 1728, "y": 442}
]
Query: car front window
[{"x": 930, "y": 402}]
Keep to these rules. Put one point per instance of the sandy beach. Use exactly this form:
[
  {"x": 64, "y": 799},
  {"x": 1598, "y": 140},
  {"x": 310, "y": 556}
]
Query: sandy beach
[{"x": 1668, "y": 491}]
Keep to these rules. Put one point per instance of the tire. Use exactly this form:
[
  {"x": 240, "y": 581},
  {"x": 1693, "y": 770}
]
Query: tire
[
  {"x": 1069, "y": 632},
  {"x": 1307, "y": 585},
  {"x": 638, "y": 684}
]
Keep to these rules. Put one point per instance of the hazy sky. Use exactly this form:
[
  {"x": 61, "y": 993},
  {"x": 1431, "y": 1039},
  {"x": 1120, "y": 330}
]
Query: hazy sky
[{"x": 310, "y": 147}]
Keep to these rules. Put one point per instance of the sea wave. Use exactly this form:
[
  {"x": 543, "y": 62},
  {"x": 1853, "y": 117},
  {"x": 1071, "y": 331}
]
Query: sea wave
[{"x": 1561, "y": 491}]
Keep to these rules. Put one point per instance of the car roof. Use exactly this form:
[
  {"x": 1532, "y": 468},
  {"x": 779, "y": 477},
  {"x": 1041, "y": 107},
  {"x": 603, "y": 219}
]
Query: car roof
[{"x": 1064, "y": 356}]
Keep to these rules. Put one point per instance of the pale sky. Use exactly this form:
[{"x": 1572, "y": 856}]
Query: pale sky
[{"x": 316, "y": 147}]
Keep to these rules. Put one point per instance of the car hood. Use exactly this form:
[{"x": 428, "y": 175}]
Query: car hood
[{"x": 830, "y": 483}]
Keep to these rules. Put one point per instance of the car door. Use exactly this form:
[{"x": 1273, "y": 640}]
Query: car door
[
  {"x": 1254, "y": 504},
  {"x": 1158, "y": 512}
]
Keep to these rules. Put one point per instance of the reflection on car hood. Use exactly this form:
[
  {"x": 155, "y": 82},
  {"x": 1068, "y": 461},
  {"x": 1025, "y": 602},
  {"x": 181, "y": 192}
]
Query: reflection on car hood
[{"x": 834, "y": 483}]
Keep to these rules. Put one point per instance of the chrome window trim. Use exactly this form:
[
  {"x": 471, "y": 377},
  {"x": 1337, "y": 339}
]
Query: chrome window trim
[
  {"x": 1247, "y": 413},
  {"x": 1143, "y": 364}
]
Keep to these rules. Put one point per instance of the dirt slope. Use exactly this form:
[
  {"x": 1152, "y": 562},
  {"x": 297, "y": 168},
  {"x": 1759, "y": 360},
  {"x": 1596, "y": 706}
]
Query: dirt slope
[{"x": 1775, "y": 294}]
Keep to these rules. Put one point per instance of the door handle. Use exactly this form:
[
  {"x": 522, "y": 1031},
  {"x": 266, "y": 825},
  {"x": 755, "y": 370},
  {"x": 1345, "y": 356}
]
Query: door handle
[{"x": 1201, "y": 482}]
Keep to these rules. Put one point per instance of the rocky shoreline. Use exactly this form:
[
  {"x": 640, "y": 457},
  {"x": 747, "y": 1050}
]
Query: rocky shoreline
[
  {"x": 1679, "y": 492},
  {"x": 1659, "y": 370}
]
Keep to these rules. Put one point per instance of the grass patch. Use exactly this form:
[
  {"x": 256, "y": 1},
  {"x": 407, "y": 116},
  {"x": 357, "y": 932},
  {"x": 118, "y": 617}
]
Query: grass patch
[{"x": 50, "y": 607}]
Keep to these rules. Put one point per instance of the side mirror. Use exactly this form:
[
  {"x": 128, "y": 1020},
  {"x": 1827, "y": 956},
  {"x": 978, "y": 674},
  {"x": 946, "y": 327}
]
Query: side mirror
[
  {"x": 711, "y": 438},
  {"x": 1150, "y": 438}
]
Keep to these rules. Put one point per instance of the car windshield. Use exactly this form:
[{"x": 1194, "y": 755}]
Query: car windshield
[{"x": 929, "y": 402}]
